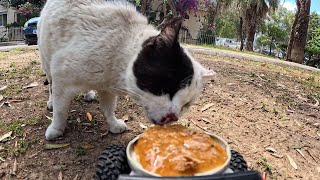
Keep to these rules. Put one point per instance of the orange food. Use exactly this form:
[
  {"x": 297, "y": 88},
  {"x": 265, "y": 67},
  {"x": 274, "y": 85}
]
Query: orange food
[{"x": 174, "y": 150}]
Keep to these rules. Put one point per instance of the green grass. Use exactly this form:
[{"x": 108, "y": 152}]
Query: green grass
[
  {"x": 232, "y": 50},
  {"x": 23, "y": 146},
  {"x": 12, "y": 52},
  {"x": 17, "y": 126}
]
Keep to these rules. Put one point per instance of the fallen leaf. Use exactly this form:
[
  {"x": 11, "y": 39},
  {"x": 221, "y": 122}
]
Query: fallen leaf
[
  {"x": 73, "y": 111},
  {"x": 142, "y": 125},
  {"x": 277, "y": 155},
  {"x": 6, "y": 103},
  {"x": 311, "y": 155},
  {"x": 302, "y": 98},
  {"x": 5, "y": 136},
  {"x": 206, "y": 107},
  {"x": 87, "y": 124},
  {"x": 264, "y": 65},
  {"x": 76, "y": 178},
  {"x": 293, "y": 164},
  {"x": 86, "y": 146},
  {"x": 14, "y": 168},
  {"x": 270, "y": 149},
  {"x": 89, "y": 116},
  {"x": 317, "y": 102},
  {"x": 231, "y": 84},
  {"x": 300, "y": 152},
  {"x": 1, "y": 97},
  {"x": 32, "y": 85},
  {"x": 60, "y": 176},
  {"x": 104, "y": 134},
  {"x": 33, "y": 155},
  {"x": 78, "y": 120},
  {"x": 206, "y": 120},
  {"x": 1, "y": 159},
  {"x": 318, "y": 133},
  {"x": 3, "y": 88},
  {"x": 125, "y": 118},
  {"x": 50, "y": 118},
  {"x": 203, "y": 128},
  {"x": 55, "y": 146},
  {"x": 298, "y": 123},
  {"x": 264, "y": 175}
]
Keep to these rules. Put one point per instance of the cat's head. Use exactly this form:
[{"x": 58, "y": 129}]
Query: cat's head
[{"x": 164, "y": 78}]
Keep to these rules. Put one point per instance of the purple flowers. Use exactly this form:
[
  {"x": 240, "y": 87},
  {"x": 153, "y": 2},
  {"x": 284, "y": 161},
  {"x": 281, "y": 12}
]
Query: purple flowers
[
  {"x": 27, "y": 9},
  {"x": 184, "y": 6}
]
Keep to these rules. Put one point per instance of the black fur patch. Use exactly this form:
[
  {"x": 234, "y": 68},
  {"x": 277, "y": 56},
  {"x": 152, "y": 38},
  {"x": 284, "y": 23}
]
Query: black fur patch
[{"x": 162, "y": 68}]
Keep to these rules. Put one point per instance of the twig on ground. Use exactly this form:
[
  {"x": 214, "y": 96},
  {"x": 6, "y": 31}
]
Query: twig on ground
[
  {"x": 203, "y": 128},
  {"x": 33, "y": 155}
]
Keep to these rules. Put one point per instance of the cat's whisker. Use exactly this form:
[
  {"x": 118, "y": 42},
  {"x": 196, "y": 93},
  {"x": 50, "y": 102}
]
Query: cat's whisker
[{"x": 130, "y": 92}]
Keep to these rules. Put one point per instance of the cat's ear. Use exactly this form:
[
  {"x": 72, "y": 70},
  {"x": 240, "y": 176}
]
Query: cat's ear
[
  {"x": 208, "y": 74},
  {"x": 170, "y": 30}
]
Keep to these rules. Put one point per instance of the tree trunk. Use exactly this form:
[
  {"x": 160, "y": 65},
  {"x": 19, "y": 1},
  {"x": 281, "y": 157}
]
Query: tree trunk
[
  {"x": 241, "y": 34},
  {"x": 251, "y": 27},
  {"x": 250, "y": 36},
  {"x": 298, "y": 39},
  {"x": 172, "y": 7},
  {"x": 270, "y": 50}
]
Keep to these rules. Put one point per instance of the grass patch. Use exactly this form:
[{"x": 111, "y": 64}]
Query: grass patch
[
  {"x": 266, "y": 167},
  {"x": 233, "y": 50},
  {"x": 11, "y": 52},
  {"x": 23, "y": 146},
  {"x": 17, "y": 126},
  {"x": 12, "y": 90}
]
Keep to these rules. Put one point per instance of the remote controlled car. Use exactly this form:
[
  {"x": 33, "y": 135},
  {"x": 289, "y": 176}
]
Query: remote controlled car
[{"x": 125, "y": 163}]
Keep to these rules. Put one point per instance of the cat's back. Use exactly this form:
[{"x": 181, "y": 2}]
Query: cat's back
[{"x": 63, "y": 22}]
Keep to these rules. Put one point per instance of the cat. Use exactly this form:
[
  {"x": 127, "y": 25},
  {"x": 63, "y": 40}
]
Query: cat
[{"x": 109, "y": 47}]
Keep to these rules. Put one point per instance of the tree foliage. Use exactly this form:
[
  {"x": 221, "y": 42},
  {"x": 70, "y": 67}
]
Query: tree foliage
[
  {"x": 17, "y": 3},
  {"x": 275, "y": 30},
  {"x": 312, "y": 57}
]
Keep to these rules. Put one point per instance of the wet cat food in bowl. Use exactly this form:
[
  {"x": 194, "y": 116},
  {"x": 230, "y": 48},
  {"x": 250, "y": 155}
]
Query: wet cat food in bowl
[{"x": 174, "y": 150}]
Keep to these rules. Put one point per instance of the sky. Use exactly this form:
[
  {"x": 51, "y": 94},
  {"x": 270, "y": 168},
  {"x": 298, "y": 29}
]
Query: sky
[{"x": 291, "y": 5}]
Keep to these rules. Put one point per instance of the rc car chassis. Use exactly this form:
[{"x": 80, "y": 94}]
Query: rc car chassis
[{"x": 113, "y": 165}]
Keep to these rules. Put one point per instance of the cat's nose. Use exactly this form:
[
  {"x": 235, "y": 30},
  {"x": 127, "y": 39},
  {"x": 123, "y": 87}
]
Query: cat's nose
[{"x": 169, "y": 118}]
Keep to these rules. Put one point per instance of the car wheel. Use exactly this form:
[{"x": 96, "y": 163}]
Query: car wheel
[{"x": 111, "y": 163}]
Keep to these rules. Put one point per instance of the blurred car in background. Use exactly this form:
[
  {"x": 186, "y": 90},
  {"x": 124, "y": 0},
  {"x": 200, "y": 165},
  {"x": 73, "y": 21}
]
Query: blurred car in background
[{"x": 30, "y": 31}]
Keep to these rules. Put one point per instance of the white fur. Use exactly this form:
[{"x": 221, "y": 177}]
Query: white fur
[{"x": 87, "y": 45}]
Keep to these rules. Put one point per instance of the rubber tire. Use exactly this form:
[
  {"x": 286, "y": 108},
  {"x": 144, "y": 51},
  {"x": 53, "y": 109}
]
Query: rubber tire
[
  {"x": 237, "y": 163},
  {"x": 111, "y": 163}
]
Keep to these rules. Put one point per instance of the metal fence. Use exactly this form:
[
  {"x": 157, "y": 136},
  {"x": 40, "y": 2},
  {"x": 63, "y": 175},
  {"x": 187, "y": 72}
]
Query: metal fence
[
  {"x": 15, "y": 33},
  {"x": 201, "y": 39}
]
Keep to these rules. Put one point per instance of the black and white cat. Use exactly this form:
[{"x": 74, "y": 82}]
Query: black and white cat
[{"x": 109, "y": 47}]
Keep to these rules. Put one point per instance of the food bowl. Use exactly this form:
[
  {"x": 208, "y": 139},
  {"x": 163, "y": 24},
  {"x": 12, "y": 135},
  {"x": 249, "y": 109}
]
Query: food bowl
[{"x": 137, "y": 168}]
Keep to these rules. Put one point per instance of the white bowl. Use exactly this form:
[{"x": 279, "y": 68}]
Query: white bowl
[{"x": 139, "y": 170}]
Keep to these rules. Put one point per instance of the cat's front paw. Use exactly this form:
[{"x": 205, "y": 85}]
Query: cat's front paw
[
  {"x": 118, "y": 126},
  {"x": 52, "y": 133},
  {"x": 90, "y": 96}
]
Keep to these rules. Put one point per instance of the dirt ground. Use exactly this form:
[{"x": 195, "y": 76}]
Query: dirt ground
[{"x": 254, "y": 106}]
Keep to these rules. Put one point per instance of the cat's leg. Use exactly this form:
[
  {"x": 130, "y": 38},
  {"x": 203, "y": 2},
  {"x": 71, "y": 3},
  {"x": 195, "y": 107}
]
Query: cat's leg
[
  {"x": 108, "y": 105},
  {"x": 49, "y": 102},
  {"x": 61, "y": 99},
  {"x": 91, "y": 95}
]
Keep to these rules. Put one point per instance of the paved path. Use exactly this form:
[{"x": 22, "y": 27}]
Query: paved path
[
  {"x": 211, "y": 51},
  {"x": 239, "y": 55}
]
